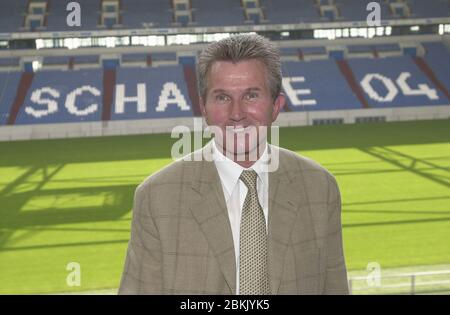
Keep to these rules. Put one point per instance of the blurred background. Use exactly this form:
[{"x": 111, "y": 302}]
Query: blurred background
[{"x": 90, "y": 91}]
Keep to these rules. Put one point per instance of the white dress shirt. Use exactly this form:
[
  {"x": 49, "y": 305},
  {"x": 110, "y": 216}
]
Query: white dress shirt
[{"x": 235, "y": 192}]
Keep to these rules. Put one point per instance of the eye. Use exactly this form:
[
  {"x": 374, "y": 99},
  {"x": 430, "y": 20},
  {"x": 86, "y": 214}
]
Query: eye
[
  {"x": 222, "y": 98},
  {"x": 251, "y": 96}
]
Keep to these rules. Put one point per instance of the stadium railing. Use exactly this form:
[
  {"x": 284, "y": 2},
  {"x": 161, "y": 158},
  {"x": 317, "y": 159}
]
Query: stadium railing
[{"x": 403, "y": 283}]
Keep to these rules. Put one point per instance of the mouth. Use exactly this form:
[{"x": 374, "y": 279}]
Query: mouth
[{"x": 239, "y": 129}]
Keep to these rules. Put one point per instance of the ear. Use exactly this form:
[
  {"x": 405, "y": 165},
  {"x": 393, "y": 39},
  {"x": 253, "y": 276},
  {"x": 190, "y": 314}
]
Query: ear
[{"x": 279, "y": 103}]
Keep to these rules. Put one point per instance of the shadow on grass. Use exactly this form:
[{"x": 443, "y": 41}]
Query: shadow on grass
[
  {"x": 409, "y": 163},
  {"x": 116, "y": 202},
  {"x": 47, "y": 157}
]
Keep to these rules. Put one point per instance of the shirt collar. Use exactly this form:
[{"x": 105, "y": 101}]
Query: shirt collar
[{"x": 229, "y": 171}]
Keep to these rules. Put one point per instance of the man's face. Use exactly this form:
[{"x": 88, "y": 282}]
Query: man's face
[{"x": 238, "y": 99}]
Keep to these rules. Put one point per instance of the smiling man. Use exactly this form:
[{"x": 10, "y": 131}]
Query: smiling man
[{"x": 231, "y": 224}]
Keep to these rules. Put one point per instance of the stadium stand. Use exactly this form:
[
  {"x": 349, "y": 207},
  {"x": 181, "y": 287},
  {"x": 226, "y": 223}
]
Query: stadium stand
[
  {"x": 137, "y": 89},
  {"x": 218, "y": 13},
  {"x": 11, "y": 19},
  {"x": 63, "y": 96},
  {"x": 437, "y": 57},
  {"x": 356, "y": 10},
  {"x": 19, "y": 15},
  {"x": 55, "y": 60},
  {"x": 290, "y": 11},
  {"x": 8, "y": 87},
  {"x": 99, "y": 85},
  {"x": 316, "y": 85},
  {"x": 142, "y": 13},
  {"x": 56, "y": 21},
  {"x": 428, "y": 9},
  {"x": 9, "y": 62},
  {"x": 134, "y": 14},
  {"x": 394, "y": 82},
  {"x": 151, "y": 93}
]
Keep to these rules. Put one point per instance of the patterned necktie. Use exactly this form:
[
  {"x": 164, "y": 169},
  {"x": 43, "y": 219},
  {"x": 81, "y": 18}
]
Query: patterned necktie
[{"x": 253, "y": 269}]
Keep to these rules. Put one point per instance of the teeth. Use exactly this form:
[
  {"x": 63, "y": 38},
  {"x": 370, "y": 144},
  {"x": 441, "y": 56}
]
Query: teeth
[{"x": 239, "y": 129}]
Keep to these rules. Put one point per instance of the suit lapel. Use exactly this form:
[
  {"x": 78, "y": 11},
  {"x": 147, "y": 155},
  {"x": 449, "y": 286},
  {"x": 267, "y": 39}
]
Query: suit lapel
[
  {"x": 209, "y": 210},
  {"x": 282, "y": 215}
]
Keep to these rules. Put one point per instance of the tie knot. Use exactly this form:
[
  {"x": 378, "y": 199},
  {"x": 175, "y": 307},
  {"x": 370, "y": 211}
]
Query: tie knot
[{"x": 249, "y": 179}]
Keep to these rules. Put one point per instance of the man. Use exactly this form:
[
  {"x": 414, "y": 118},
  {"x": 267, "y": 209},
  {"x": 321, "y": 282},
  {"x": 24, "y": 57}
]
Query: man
[{"x": 229, "y": 225}]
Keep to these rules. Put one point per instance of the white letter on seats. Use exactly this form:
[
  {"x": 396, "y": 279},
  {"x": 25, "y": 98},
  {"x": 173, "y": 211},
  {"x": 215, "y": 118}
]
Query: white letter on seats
[
  {"x": 140, "y": 98},
  {"x": 422, "y": 89},
  {"x": 293, "y": 93},
  {"x": 390, "y": 86},
  {"x": 171, "y": 89},
  {"x": 52, "y": 105},
  {"x": 71, "y": 98}
]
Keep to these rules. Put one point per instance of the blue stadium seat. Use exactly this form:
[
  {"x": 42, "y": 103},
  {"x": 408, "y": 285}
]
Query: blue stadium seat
[
  {"x": 164, "y": 56},
  {"x": 387, "y": 47},
  {"x": 328, "y": 88},
  {"x": 314, "y": 50},
  {"x": 155, "y": 13},
  {"x": 289, "y": 51},
  {"x": 56, "y": 60},
  {"x": 13, "y": 61},
  {"x": 132, "y": 57},
  {"x": 290, "y": 11},
  {"x": 63, "y": 96},
  {"x": 359, "y": 48},
  {"x": 218, "y": 13},
  {"x": 83, "y": 59},
  {"x": 437, "y": 57},
  {"x": 11, "y": 15},
  {"x": 9, "y": 82},
  {"x": 429, "y": 8}
]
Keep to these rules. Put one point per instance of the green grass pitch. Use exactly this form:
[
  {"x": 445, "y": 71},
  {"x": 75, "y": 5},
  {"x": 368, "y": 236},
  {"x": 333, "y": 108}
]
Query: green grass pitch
[{"x": 65, "y": 201}]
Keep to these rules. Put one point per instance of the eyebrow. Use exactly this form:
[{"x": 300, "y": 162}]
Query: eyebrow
[{"x": 246, "y": 90}]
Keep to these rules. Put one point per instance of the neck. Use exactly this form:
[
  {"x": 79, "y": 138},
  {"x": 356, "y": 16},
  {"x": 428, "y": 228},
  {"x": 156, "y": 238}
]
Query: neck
[{"x": 248, "y": 159}]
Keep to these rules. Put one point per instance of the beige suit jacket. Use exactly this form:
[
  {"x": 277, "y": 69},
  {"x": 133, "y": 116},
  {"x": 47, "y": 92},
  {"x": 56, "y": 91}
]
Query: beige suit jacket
[{"x": 181, "y": 240}]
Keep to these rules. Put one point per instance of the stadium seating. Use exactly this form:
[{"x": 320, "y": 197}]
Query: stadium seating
[
  {"x": 9, "y": 82},
  {"x": 145, "y": 91},
  {"x": 437, "y": 57},
  {"x": 56, "y": 17},
  {"x": 290, "y": 11},
  {"x": 9, "y": 62},
  {"x": 140, "y": 13},
  {"x": 394, "y": 82},
  {"x": 430, "y": 8},
  {"x": 151, "y": 93},
  {"x": 357, "y": 10},
  {"x": 218, "y": 13},
  {"x": 63, "y": 96},
  {"x": 11, "y": 18},
  {"x": 160, "y": 14},
  {"x": 316, "y": 85},
  {"x": 56, "y": 60}
]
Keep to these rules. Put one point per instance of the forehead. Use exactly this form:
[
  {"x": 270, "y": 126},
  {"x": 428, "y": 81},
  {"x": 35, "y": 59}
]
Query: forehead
[{"x": 225, "y": 74}]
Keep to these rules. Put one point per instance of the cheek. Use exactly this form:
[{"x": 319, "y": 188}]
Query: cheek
[
  {"x": 216, "y": 115},
  {"x": 261, "y": 112}
]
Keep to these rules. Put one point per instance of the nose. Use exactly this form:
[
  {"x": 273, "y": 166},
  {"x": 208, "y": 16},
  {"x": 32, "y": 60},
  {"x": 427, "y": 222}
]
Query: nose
[{"x": 237, "y": 111}]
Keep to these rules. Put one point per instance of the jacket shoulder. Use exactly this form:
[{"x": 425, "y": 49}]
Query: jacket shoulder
[
  {"x": 297, "y": 163},
  {"x": 310, "y": 173},
  {"x": 178, "y": 172}
]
